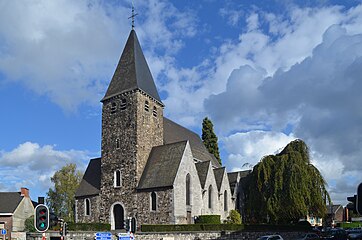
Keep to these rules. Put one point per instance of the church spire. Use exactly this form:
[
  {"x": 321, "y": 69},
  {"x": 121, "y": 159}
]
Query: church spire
[{"x": 132, "y": 72}]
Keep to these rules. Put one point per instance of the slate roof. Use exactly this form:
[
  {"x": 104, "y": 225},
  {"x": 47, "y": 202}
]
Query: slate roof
[
  {"x": 91, "y": 182},
  {"x": 219, "y": 175},
  {"x": 333, "y": 208},
  {"x": 162, "y": 166},
  {"x": 132, "y": 72},
  {"x": 244, "y": 173},
  {"x": 233, "y": 178},
  {"x": 173, "y": 132},
  {"x": 9, "y": 201},
  {"x": 202, "y": 170}
]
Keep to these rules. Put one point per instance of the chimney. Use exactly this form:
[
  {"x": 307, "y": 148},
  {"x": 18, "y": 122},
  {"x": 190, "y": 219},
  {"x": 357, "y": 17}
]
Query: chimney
[{"x": 24, "y": 192}]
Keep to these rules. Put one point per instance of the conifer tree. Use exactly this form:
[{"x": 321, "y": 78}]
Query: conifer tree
[
  {"x": 286, "y": 187},
  {"x": 209, "y": 138}
]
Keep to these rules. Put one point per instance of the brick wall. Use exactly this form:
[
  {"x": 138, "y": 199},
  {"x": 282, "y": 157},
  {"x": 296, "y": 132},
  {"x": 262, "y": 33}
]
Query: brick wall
[{"x": 8, "y": 220}]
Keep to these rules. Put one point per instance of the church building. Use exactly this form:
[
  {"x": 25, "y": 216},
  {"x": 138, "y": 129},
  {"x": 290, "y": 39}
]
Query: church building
[{"x": 151, "y": 169}]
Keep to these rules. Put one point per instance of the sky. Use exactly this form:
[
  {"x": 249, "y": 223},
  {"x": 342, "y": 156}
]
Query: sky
[{"x": 265, "y": 72}]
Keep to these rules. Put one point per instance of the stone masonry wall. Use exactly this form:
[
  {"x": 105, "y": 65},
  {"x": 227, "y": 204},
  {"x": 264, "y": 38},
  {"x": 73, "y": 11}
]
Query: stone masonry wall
[
  {"x": 210, "y": 180},
  {"x": 163, "y": 213},
  {"x": 119, "y": 124},
  {"x": 94, "y": 209},
  {"x": 173, "y": 236},
  {"x": 187, "y": 166},
  {"x": 149, "y": 130},
  {"x": 138, "y": 131}
]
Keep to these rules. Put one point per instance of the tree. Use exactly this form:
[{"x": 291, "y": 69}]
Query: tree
[
  {"x": 234, "y": 217},
  {"x": 29, "y": 224},
  {"x": 61, "y": 199},
  {"x": 285, "y": 187},
  {"x": 209, "y": 138}
]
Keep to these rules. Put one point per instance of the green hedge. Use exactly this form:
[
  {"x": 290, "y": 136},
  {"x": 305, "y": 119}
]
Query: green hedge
[
  {"x": 208, "y": 219},
  {"x": 350, "y": 225},
  {"x": 89, "y": 227},
  {"x": 191, "y": 227}
]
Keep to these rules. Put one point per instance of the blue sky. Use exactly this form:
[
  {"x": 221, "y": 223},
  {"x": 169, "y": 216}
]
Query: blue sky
[{"x": 265, "y": 72}]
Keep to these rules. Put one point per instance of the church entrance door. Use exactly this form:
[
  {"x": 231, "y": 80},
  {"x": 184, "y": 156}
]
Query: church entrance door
[{"x": 118, "y": 214}]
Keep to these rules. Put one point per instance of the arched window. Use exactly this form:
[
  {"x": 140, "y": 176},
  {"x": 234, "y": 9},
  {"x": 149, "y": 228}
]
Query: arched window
[
  {"x": 153, "y": 201},
  {"x": 118, "y": 144},
  {"x": 113, "y": 107},
  {"x": 117, "y": 178},
  {"x": 154, "y": 112},
  {"x": 147, "y": 106},
  {"x": 210, "y": 196},
  {"x": 188, "y": 190},
  {"x": 123, "y": 104},
  {"x": 87, "y": 206},
  {"x": 225, "y": 200}
]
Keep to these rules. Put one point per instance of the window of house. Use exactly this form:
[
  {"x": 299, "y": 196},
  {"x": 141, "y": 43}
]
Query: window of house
[
  {"x": 147, "y": 106},
  {"x": 210, "y": 196},
  {"x": 225, "y": 200},
  {"x": 188, "y": 190},
  {"x": 154, "y": 112},
  {"x": 118, "y": 143},
  {"x": 117, "y": 178},
  {"x": 123, "y": 104},
  {"x": 153, "y": 201},
  {"x": 113, "y": 107},
  {"x": 87, "y": 206}
]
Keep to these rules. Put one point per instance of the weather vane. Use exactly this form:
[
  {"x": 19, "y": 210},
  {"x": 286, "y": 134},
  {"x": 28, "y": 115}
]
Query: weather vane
[{"x": 133, "y": 15}]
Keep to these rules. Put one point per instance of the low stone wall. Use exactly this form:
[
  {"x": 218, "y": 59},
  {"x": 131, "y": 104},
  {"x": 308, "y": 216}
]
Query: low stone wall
[{"x": 170, "y": 236}]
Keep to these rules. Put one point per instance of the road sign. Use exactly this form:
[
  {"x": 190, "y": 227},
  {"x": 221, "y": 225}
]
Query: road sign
[
  {"x": 103, "y": 236},
  {"x": 3, "y": 231}
]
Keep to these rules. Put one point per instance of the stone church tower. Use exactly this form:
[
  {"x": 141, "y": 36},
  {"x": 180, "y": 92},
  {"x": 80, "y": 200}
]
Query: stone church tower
[
  {"x": 132, "y": 124},
  {"x": 151, "y": 170}
]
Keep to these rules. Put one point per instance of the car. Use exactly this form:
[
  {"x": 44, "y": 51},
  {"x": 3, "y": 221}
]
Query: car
[
  {"x": 310, "y": 236},
  {"x": 355, "y": 234},
  {"x": 270, "y": 237},
  {"x": 335, "y": 234}
]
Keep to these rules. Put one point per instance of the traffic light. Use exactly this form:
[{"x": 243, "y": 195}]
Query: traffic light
[
  {"x": 359, "y": 199},
  {"x": 41, "y": 220},
  {"x": 53, "y": 219},
  {"x": 352, "y": 205}
]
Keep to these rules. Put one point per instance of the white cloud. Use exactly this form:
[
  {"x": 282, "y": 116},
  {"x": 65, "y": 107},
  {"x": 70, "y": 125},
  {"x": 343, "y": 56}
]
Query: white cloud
[
  {"x": 31, "y": 165},
  {"x": 319, "y": 97},
  {"x": 67, "y": 50},
  {"x": 248, "y": 148}
]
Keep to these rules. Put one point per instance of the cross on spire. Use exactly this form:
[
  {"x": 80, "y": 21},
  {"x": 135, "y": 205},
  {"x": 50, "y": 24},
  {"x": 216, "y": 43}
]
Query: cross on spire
[{"x": 133, "y": 15}]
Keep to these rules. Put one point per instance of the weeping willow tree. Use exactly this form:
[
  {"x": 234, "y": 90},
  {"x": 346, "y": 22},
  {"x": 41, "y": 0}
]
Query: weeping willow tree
[{"x": 285, "y": 187}]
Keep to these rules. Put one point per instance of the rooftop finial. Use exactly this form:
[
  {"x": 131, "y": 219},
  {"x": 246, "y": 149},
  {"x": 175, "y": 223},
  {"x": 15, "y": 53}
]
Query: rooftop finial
[{"x": 133, "y": 15}]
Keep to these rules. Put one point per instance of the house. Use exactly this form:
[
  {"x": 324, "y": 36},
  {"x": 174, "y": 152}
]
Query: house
[
  {"x": 151, "y": 170},
  {"x": 15, "y": 208},
  {"x": 335, "y": 213}
]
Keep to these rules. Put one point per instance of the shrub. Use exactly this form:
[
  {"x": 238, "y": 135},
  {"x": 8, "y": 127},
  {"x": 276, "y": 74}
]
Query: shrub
[
  {"x": 208, "y": 219},
  {"x": 234, "y": 217},
  {"x": 350, "y": 225},
  {"x": 29, "y": 224},
  {"x": 89, "y": 227},
  {"x": 191, "y": 227}
]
